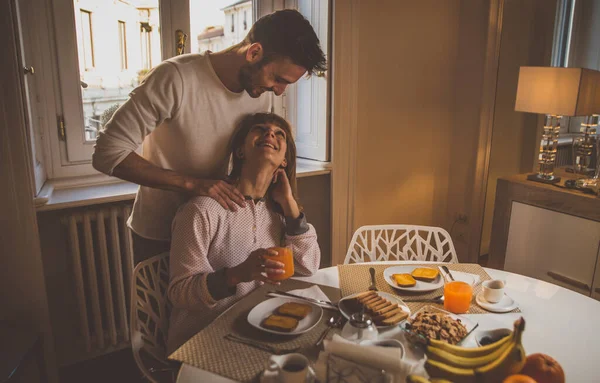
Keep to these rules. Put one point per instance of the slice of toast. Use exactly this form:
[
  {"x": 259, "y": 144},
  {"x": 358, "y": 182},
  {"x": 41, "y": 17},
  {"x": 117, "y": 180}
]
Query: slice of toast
[
  {"x": 280, "y": 323},
  {"x": 372, "y": 300},
  {"x": 380, "y": 306},
  {"x": 386, "y": 309},
  {"x": 397, "y": 310},
  {"x": 364, "y": 295},
  {"x": 294, "y": 310},
  {"x": 395, "y": 319},
  {"x": 404, "y": 280},
  {"x": 368, "y": 298},
  {"x": 371, "y": 305},
  {"x": 425, "y": 274}
]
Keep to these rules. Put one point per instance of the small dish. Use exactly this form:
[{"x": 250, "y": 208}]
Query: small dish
[
  {"x": 421, "y": 286},
  {"x": 493, "y": 335},
  {"x": 347, "y": 311},
  {"x": 505, "y": 305},
  {"x": 418, "y": 338},
  {"x": 268, "y": 307}
]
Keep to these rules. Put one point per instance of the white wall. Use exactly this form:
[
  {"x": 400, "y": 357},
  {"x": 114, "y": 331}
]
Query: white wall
[{"x": 420, "y": 76}]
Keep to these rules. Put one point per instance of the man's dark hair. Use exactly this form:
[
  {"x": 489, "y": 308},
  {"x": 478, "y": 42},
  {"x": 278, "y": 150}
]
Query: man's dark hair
[{"x": 287, "y": 33}]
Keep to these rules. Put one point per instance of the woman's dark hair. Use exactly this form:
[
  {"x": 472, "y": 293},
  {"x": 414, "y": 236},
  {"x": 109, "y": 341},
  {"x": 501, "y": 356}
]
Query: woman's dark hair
[
  {"x": 237, "y": 142},
  {"x": 287, "y": 33}
]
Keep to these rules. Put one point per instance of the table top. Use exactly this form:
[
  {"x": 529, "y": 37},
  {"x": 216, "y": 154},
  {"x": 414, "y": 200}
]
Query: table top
[{"x": 559, "y": 322}]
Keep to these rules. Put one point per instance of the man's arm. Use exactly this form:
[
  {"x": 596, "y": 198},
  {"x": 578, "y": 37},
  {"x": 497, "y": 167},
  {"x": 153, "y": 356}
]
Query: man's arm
[
  {"x": 136, "y": 169},
  {"x": 157, "y": 99}
]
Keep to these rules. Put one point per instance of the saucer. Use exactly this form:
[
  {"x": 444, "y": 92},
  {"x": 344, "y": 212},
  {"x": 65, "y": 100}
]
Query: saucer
[{"x": 505, "y": 305}]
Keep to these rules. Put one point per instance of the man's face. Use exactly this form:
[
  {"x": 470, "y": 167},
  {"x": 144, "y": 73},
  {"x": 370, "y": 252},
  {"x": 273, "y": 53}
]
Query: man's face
[{"x": 274, "y": 76}]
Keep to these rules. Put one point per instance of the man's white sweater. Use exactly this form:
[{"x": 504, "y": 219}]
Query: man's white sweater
[{"x": 185, "y": 117}]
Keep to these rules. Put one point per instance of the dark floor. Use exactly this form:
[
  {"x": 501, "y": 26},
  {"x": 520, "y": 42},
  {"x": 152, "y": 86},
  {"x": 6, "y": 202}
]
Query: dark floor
[{"x": 116, "y": 367}]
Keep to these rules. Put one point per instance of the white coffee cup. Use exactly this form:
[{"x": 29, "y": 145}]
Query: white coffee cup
[
  {"x": 292, "y": 368},
  {"x": 493, "y": 290}
]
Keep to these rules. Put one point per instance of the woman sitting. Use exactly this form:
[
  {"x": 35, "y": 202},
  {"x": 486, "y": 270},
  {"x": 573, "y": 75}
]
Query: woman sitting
[{"x": 217, "y": 254}]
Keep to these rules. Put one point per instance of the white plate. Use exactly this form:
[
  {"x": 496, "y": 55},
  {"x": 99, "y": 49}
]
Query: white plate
[
  {"x": 419, "y": 287},
  {"x": 261, "y": 311},
  {"x": 505, "y": 305},
  {"x": 347, "y": 312}
]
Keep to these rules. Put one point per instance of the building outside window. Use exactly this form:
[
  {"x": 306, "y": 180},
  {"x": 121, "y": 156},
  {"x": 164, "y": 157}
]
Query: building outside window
[
  {"x": 86, "y": 44},
  {"x": 123, "y": 44}
]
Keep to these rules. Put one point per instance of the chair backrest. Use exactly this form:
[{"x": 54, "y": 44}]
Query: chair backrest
[
  {"x": 401, "y": 243},
  {"x": 150, "y": 312}
]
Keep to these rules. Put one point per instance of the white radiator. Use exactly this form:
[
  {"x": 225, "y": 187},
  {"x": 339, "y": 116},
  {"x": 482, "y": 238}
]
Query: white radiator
[{"x": 101, "y": 254}]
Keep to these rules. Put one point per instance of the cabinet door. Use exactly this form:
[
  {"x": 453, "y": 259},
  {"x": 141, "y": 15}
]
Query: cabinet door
[
  {"x": 551, "y": 246},
  {"x": 596, "y": 285}
]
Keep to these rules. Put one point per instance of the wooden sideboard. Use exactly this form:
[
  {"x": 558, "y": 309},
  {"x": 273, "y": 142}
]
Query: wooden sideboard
[{"x": 547, "y": 232}]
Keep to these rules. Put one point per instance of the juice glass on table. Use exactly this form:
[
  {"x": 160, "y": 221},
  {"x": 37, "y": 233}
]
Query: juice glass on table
[
  {"x": 285, "y": 256},
  {"x": 457, "y": 297}
]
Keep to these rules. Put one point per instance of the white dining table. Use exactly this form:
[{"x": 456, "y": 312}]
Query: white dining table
[{"x": 558, "y": 322}]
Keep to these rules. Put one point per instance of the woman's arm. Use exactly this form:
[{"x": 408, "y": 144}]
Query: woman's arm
[
  {"x": 302, "y": 238},
  {"x": 192, "y": 233},
  {"x": 194, "y": 284}
]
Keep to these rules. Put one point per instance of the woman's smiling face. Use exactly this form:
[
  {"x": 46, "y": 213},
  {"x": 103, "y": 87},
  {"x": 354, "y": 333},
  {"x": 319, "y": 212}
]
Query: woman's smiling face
[{"x": 266, "y": 142}]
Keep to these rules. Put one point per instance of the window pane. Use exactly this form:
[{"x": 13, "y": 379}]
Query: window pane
[
  {"x": 118, "y": 42},
  {"x": 218, "y": 24}
]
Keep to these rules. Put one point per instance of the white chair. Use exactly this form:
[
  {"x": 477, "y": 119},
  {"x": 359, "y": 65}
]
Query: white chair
[
  {"x": 400, "y": 243},
  {"x": 149, "y": 318}
]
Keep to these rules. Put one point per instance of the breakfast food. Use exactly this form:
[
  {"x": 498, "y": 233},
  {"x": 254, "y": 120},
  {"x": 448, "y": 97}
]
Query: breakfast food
[
  {"x": 496, "y": 362},
  {"x": 382, "y": 311},
  {"x": 280, "y": 323},
  {"x": 294, "y": 310},
  {"x": 425, "y": 274},
  {"x": 438, "y": 326},
  {"x": 544, "y": 369},
  {"x": 404, "y": 280}
]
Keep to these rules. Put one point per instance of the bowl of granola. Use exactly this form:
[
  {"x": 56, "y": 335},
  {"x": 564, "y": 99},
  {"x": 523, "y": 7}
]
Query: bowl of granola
[{"x": 431, "y": 322}]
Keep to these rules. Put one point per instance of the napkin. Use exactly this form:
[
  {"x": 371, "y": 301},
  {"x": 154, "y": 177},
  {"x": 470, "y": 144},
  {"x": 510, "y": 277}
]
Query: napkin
[
  {"x": 472, "y": 279},
  {"x": 371, "y": 358},
  {"x": 313, "y": 292}
]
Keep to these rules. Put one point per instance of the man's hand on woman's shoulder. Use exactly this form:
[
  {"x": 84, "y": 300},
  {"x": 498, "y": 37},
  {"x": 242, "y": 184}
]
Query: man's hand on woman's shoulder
[{"x": 221, "y": 191}]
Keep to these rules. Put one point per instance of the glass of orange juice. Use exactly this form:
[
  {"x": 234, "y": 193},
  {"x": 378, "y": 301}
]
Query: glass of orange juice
[
  {"x": 457, "y": 297},
  {"x": 285, "y": 256}
]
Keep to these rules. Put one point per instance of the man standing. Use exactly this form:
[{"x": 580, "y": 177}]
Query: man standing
[{"x": 188, "y": 107}]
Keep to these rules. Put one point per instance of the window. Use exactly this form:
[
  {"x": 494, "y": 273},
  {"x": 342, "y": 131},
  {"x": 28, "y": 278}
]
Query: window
[
  {"x": 96, "y": 79},
  {"x": 146, "y": 44},
  {"x": 86, "y": 49},
  {"x": 123, "y": 44}
]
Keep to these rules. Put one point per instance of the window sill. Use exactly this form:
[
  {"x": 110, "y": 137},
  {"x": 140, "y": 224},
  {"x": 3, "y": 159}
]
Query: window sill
[{"x": 86, "y": 191}]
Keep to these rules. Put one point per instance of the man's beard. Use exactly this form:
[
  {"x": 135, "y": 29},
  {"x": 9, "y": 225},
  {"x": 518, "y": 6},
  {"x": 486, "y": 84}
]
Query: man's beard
[{"x": 247, "y": 77}]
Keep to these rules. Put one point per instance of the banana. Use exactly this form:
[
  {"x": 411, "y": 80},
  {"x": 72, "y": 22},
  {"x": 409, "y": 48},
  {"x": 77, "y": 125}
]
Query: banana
[
  {"x": 416, "y": 379},
  {"x": 469, "y": 352},
  {"x": 462, "y": 361},
  {"x": 440, "y": 381},
  {"x": 441, "y": 370},
  {"x": 510, "y": 362}
]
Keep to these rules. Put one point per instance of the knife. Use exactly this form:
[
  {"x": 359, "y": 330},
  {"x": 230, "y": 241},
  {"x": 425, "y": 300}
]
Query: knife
[
  {"x": 449, "y": 273},
  {"x": 312, "y": 300}
]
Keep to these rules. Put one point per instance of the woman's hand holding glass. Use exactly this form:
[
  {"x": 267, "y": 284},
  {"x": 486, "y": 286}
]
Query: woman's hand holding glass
[{"x": 255, "y": 267}]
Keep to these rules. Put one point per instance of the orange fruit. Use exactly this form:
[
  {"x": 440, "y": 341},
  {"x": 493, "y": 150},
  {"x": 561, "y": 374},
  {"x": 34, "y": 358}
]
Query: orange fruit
[
  {"x": 519, "y": 379},
  {"x": 544, "y": 369}
]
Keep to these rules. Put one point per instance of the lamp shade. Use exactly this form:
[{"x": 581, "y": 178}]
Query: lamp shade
[{"x": 558, "y": 91}]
